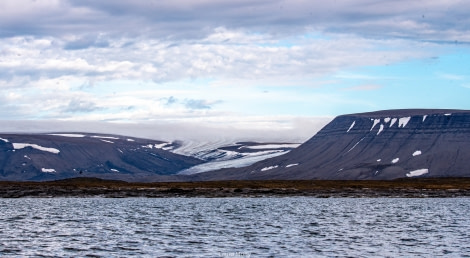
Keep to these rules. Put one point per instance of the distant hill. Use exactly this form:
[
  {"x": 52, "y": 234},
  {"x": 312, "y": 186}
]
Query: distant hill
[
  {"x": 386, "y": 145},
  {"x": 39, "y": 157}
]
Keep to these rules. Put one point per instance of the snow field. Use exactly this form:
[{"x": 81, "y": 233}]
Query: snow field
[
  {"x": 18, "y": 146},
  {"x": 269, "y": 168},
  {"x": 72, "y": 135},
  {"x": 418, "y": 172},
  {"x": 291, "y": 165}
]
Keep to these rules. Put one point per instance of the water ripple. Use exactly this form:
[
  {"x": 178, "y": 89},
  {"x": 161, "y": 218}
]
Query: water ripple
[{"x": 234, "y": 227}]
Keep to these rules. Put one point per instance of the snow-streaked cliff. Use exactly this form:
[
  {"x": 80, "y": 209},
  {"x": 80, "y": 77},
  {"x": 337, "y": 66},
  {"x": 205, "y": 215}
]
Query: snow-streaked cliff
[{"x": 377, "y": 145}]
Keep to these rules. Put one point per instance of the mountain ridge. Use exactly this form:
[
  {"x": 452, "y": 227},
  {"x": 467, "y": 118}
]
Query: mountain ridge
[
  {"x": 379, "y": 145},
  {"x": 406, "y": 112},
  {"x": 53, "y": 156}
]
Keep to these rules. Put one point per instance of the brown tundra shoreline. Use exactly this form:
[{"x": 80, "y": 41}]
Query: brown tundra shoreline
[{"x": 94, "y": 187}]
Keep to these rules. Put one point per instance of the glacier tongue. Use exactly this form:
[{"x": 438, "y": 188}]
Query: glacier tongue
[{"x": 223, "y": 154}]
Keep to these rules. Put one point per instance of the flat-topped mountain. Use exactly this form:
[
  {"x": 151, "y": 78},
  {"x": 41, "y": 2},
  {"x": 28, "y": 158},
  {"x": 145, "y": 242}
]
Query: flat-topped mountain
[
  {"x": 41, "y": 157},
  {"x": 386, "y": 144}
]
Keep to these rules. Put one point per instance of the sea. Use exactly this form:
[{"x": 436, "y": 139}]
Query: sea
[{"x": 235, "y": 227}]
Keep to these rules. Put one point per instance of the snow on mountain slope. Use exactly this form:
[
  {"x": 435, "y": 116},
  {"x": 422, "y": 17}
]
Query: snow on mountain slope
[{"x": 222, "y": 154}]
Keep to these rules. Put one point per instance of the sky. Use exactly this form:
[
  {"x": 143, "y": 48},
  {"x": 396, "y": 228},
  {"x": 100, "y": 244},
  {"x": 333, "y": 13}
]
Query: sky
[{"x": 248, "y": 67}]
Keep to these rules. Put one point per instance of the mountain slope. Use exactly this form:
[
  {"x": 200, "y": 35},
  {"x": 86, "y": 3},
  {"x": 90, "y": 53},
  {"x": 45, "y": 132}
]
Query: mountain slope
[
  {"x": 56, "y": 156},
  {"x": 377, "y": 145}
]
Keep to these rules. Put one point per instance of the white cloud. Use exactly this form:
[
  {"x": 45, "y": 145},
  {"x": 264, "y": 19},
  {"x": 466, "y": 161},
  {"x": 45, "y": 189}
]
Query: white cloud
[
  {"x": 200, "y": 74},
  {"x": 205, "y": 60},
  {"x": 153, "y": 60},
  {"x": 269, "y": 129},
  {"x": 185, "y": 19},
  {"x": 453, "y": 77}
]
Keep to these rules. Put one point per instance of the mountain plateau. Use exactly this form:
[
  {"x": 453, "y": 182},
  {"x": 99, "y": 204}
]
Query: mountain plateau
[{"x": 380, "y": 145}]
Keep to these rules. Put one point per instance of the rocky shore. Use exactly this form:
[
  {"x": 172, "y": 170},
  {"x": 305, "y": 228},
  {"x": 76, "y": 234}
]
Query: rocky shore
[{"x": 93, "y": 187}]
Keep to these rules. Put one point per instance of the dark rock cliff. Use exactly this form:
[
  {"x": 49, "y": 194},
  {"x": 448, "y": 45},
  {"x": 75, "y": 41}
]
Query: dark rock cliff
[{"x": 378, "y": 145}]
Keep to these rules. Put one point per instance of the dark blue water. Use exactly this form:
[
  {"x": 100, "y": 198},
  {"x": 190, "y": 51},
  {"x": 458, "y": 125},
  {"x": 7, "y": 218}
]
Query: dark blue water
[{"x": 235, "y": 227}]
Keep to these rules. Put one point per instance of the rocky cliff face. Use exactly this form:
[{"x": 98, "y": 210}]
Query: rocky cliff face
[
  {"x": 41, "y": 157},
  {"x": 378, "y": 145}
]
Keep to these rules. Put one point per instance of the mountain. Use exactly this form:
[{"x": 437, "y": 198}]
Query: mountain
[
  {"x": 384, "y": 145},
  {"x": 40, "y": 157},
  {"x": 377, "y": 145}
]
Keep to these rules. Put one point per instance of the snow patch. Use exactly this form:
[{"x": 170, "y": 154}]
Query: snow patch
[
  {"x": 395, "y": 160},
  {"x": 418, "y": 172},
  {"x": 149, "y": 146},
  {"x": 18, "y": 146},
  {"x": 394, "y": 120},
  {"x": 130, "y": 140},
  {"x": 376, "y": 121},
  {"x": 269, "y": 168},
  {"x": 68, "y": 135},
  {"x": 387, "y": 119},
  {"x": 114, "y": 170},
  {"x": 105, "y": 137},
  {"x": 106, "y": 141},
  {"x": 291, "y": 165},
  {"x": 356, "y": 144},
  {"x": 273, "y": 146},
  {"x": 448, "y": 114},
  {"x": 380, "y": 129},
  {"x": 379, "y": 160},
  {"x": 402, "y": 122},
  {"x": 416, "y": 153},
  {"x": 5, "y": 140},
  {"x": 352, "y": 125},
  {"x": 260, "y": 153},
  {"x": 162, "y": 146},
  {"x": 424, "y": 117},
  {"x": 26, "y": 157},
  {"x": 48, "y": 170}
]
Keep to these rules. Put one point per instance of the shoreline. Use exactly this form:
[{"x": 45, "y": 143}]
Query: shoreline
[{"x": 94, "y": 187}]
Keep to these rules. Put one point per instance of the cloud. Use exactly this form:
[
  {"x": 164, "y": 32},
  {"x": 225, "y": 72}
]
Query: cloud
[
  {"x": 31, "y": 59},
  {"x": 189, "y": 20},
  {"x": 171, "y": 100},
  {"x": 69, "y": 59},
  {"x": 86, "y": 42},
  {"x": 453, "y": 77},
  {"x": 290, "y": 129},
  {"x": 80, "y": 106},
  {"x": 199, "y": 104}
]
